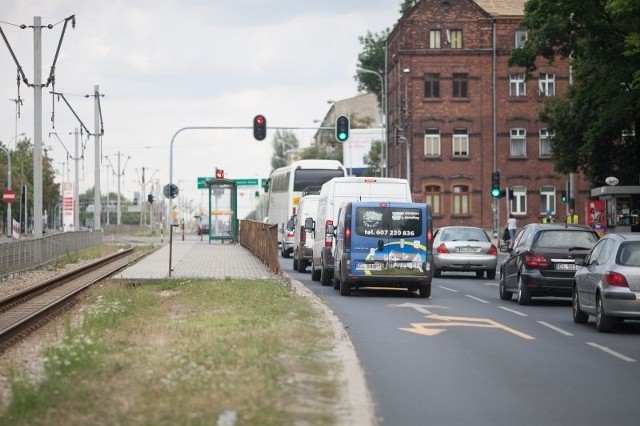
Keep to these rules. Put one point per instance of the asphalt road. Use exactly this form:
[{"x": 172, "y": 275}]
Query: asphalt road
[{"x": 465, "y": 357}]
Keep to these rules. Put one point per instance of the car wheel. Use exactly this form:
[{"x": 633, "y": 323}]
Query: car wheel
[
  {"x": 523, "y": 293},
  {"x": 479, "y": 274},
  {"x": 295, "y": 263},
  {"x": 345, "y": 288},
  {"x": 286, "y": 254},
  {"x": 491, "y": 274},
  {"x": 504, "y": 294},
  {"x": 579, "y": 316},
  {"x": 437, "y": 273},
  {"x": 324, "y": 277},
  {"x": 603, "y": 322},
  {"x": 336, "y": 278},
  {"x": 302, "y": 265},
  {"x": 424, "y": 291},
  {"x": 315, "y": 273}
]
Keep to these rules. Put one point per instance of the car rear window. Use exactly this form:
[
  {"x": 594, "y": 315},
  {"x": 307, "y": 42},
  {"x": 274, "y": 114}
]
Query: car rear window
[
  {"x": 388, "y": 222},
  {"x": 629, "y": 254},
  {"x": 566, "y": 238},
  {"x": 454, "y": 234}
]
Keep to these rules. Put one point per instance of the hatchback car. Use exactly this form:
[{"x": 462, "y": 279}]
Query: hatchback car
[
  {"x": 288, "y": 238},
  {"x": 607, "y": 282},
  {"x": 542, "y": 261},
  {"x": 464, "y": 249}
]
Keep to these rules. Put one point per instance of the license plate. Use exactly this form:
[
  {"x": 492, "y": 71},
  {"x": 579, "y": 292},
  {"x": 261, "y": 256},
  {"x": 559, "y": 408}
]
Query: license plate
[
  {"x": 369, "y": 267},
  {"x": 566, "y": 266},
  {"x": 468, "y": 249}
]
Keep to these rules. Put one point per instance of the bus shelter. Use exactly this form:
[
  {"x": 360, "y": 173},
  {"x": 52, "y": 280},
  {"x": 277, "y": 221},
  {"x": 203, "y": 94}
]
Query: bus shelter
[{"x": 223, "y": 210}]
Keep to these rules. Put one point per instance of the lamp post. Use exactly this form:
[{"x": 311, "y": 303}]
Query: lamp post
[
  {"x": 383, "y": 103},
  {"x": 9, "y": 217}
]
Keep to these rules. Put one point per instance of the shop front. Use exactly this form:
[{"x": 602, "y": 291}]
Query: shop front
[{"x": 621, "y": 207}]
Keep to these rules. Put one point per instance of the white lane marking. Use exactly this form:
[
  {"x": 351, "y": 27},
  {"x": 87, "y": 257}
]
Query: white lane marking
[
  {"x": 449, "y": 289},
  {"x": 476, "y": 298},
  {"x": 611, "y": 352},
  {"x": 492, "y": 284},
  {"x": 513, "y": 311},
  {"x": 554, "y": 328}
]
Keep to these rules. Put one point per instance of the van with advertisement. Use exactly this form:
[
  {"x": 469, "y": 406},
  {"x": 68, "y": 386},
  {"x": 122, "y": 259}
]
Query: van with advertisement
[
  {"x": 303, "y": 238},
  {"x": 383, "y": 244},
  {"x": 332, "y": 195}
]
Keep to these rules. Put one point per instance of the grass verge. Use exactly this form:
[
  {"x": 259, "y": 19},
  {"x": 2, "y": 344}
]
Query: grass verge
[{"x": 185, "y": 353}]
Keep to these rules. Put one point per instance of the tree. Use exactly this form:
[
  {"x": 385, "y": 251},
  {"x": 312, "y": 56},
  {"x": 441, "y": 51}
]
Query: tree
[
  {"x": 283, "y": 142},
  {"x": 372, "y": 58},
  {"x": 373, "y": 159},
  {"x": 595, "y": 126}
]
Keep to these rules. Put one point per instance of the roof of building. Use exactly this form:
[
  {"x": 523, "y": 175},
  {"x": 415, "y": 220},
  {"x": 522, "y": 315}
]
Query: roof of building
[{"x": 503, "y": 7}]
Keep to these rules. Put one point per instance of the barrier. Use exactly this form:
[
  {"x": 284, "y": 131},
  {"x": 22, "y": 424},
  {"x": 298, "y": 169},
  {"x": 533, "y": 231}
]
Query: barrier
[{"x": 261, "y": 239}]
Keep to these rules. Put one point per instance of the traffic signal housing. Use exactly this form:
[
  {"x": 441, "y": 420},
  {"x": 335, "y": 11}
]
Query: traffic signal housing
[
  {"x": 219, "y": 174},
  {"x": 496, "y": 192},
  {"x": 342, "y": 128},
  {"x": 563, "y": 196},
  {"x": 259, "y": 127},
  {"x": 151, "y": 198}
]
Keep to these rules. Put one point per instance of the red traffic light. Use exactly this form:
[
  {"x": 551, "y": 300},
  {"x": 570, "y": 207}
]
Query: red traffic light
[
  {"x": 259, "y": 127},
  {"x": 219, "y": 174}
]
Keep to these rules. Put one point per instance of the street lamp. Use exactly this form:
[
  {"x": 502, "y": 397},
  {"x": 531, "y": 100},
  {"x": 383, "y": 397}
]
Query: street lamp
[
  {"x": 9, "y": 217},
  {"x": 384, "y": 116}
]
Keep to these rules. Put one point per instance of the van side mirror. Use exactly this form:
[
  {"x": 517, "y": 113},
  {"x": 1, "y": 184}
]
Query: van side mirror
[{"x": 309, "y": 224}]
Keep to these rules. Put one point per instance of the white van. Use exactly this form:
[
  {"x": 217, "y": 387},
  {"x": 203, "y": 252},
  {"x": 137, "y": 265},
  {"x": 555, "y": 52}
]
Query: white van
[
  {"x": 303, "y": 240},
  {"x": 333, "y": 194}
]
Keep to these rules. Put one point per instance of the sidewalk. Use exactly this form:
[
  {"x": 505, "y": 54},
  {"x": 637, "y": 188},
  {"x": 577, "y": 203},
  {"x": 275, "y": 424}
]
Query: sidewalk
[{"x": 198, "y": 259}]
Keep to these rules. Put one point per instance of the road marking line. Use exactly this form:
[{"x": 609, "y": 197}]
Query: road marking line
[
  {"x": 513, "y": 311},
  {"x": 476, "y": 298},
  {"x": 434, "y": 328},
  {"x": 554, "y": 328},
  {"x": 611, "y": 352},
  {"x": 448, "y": 289},
  {"x": 492, "y": 284}
]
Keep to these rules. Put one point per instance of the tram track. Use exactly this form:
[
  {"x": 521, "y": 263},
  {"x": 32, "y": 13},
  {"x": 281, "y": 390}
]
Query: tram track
[{"x": 28, "y": 309}]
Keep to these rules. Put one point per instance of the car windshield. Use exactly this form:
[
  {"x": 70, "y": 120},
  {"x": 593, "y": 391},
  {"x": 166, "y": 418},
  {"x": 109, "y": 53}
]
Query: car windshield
[
  {"x": 463, "y": 235},
  {"x": 566, "y": 239}
]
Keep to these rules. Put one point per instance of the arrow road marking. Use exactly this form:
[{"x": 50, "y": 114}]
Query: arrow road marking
[
  {"x": 418, "y": 307},
  {"x": 434, "y": 328}
]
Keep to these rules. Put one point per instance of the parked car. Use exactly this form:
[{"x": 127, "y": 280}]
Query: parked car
[
  {"x": 607, "y": 282},
  {"x": 464, "y": 249},
  {"x": 542, "y": 261}
]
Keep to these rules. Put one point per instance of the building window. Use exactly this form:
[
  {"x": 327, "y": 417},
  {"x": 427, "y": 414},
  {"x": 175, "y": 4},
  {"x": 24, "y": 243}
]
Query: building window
[
  {"x": 460, "y": 83},
  {"x": 460, "y": 199},
  {"x": 432, "y": 197},
  {"x": 521, "y": 38},
  {"x": 518, "y": 203},
  {"x": 518, "y": 143},
  {"x": 434, "y": 39},
  {"x": 431, "y": 85},
  {"x": 460, "y": 143},
  {"x": 517, "y": 86},
  {"x": 432, "y": 143},
  {"x": 547, "y": 85},
  {"x": 545, "y": 144},
  {"x": 547, "y": 199},
  {"x": 454, "y": 37}
]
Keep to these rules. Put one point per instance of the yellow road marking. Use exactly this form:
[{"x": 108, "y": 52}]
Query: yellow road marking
[{"x": 433, "y": 328}]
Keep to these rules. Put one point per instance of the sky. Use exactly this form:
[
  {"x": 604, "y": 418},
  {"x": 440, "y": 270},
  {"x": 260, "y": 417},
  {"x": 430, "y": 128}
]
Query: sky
[{"x": 163, "y": 65}]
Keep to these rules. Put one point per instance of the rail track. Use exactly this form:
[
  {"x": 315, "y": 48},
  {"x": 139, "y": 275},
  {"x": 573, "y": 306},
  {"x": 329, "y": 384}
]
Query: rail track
[{"x": 26, "y": 310}]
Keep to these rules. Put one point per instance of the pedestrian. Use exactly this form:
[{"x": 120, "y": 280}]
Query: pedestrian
[
  {"x": 512, "y": 226},
  {"x": 572, "y": 217},
  {"x": 548, "y": 218}
]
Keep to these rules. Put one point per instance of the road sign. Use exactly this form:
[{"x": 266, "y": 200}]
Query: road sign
[
  {"x": 8, "y": 196},
  {"x": 246, "y": 182},
  {"x": 202, "y": 182},
  {"x": 170, "y": 190}
]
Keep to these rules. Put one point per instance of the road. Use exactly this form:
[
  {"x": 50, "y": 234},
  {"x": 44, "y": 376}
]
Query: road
[{"x": 466, "y": 357}]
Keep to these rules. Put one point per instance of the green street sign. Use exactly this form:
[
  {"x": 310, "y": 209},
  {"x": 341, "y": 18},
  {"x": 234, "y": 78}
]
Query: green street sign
[
  {"x": 202, "y": 182},
  {"x": 246, "y": 182}
]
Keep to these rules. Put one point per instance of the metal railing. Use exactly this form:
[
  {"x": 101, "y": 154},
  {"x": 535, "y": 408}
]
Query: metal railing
[
  {"x": 27, "y": 254},
  {"x": 261, "y": 239}
]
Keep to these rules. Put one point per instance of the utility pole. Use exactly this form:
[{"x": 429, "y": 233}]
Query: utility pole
[
  {"x": 37, "y": 127},
  {"x": 119, "y": 174},
  {"x": 96, "y": 134},
  {"x": 76, "y": 189}
]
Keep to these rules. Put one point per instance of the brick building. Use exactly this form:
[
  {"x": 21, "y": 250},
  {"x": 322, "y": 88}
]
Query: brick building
[{"x": 457, "y": 112}]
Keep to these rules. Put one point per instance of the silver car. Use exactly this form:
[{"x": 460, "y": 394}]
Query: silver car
[
  {"x": 464, "y": 249},
  {"x": 607, "y": 282}
]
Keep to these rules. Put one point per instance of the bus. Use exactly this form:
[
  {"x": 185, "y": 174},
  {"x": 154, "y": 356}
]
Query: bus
[{"x": 286, "y": 187}]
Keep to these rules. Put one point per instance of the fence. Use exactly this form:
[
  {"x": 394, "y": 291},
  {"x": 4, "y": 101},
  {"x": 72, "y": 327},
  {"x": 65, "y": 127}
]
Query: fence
[
  {"x": 23, "y": 255},
  {"x": 261, "y": 239}
]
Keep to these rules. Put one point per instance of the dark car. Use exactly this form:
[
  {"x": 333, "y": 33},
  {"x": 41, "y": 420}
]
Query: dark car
[
  {"x": 542, "y": 261},
  {"x": 607, "y": 283}
]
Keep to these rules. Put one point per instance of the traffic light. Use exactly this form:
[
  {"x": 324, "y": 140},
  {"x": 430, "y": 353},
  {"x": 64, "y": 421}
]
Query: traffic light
[
  {"x": 563, "y": 196},
  {"x": 259, "y": 127},
  {"x": 495, "y": 184},
  {"x": 151, "y": 198},
  {"x": 342, "y": 128},
  {"x": 219, "y": 174}
]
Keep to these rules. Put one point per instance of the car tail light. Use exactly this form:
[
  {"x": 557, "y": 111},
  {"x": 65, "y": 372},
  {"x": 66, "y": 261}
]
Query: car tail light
[
  {"x": 328, "y": 239},
  {"x": 492, "y": 250},
  {"x": 615, "y": 279},
  {"x": 533, "y": 260},
  {"x": 303, "y": 235},
  {"x": 347, "y": 238},
  {"x": 290, "y": 234},
  {"x": 442, "y": 249}
]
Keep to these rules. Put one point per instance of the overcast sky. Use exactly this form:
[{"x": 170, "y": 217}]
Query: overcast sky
[{"x": 163, "y": 65}]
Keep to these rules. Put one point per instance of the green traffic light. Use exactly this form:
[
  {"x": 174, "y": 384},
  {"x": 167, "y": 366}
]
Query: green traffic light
[
  {"x": 495, "y": 192},
  {"x": 342, "y": 136}
]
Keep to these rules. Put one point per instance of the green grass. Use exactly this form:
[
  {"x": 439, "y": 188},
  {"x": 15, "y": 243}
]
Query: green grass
[{"x": 185, "y": 353}]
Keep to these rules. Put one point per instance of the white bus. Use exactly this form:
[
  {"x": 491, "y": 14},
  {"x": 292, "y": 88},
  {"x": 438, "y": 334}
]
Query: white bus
[{"x": 286, "y": 186}]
